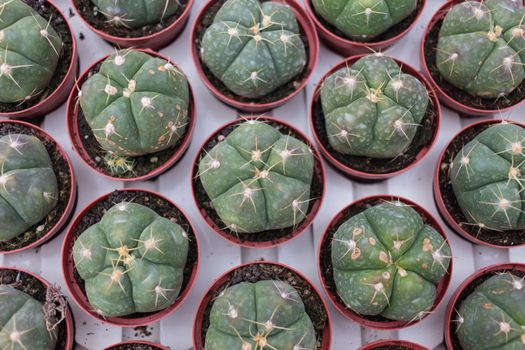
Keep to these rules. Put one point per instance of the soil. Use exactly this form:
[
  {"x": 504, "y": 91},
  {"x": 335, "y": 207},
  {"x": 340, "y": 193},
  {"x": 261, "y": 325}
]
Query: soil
[
  {"x": 273, "y": 236},
  {"x": 276, "y": 95},
  {"x": 266, "y": 271},
  {"x": 391, "y": 347},
  {"x": 161, "y": 207},
  {"x": 134, "y": 347},
  {"x": 508, "y": 238},
  {"x": 36, "y": 289},
  {"x": 59, "y": 23},
  {"x": 98, "y": 21},
  {"x": 64, "y": 181}
]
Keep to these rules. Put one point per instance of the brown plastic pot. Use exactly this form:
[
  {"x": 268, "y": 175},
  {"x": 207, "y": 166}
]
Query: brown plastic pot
[
  {"x": 252, "y": 106},
  {"x": 72, "y": 115},
  {"x": 326, "y": 272},
  {"x": 68, "y": 320},
  {"x": 347, "y": 47},
  {"x": 464, "y": 290},
  {"x": 319, "y": 177},
  {"x": 335, "y": 158},
  {"x": 225, "y": 281},
  {"x": 70, "y": 274},
  {"x": 440, "y": 181},
  {"x": 71, "y": 198},
  {"x": 396, "y": 344},
  {"x": 57, "y": 97},
  {"x": 137, "y": 342}
]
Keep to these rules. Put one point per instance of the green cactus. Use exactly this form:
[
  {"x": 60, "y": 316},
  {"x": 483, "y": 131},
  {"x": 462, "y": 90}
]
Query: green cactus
[
  {"x": 31, "y": 50},
  {"x": 372, "y": 108},
  {"x": 481, "y": 48},
  {"x": 28, "y": 185},
  {"x": 263, "y": 315},
  {"x": 363, "y": 20},
  {"x": 487, "y": 180},
  {"x": 253, "y": 47},
  {"x": 131, "y": 261},
  {"x": 258, "y": 179},
  {"x": 387, "y": 261},
  {"x": 493, "y": 316}
]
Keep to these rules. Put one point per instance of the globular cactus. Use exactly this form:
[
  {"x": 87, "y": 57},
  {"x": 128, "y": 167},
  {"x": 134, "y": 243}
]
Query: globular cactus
[
  {"x": 372, "y": 108},
  {"x": 493, "y": 316},
  {"x": 487, "y": 178},
  {"x": 363, "y": 20},
  {"x": 28, "y": 185},
  {"x": 31, "y": 50},
  {"x": 263, "y": 315},
  {"x": 481, "y": 47},
  {"x": 258, "y": 179},
  {"x": 253, "y": 47},
  {"x": 387, "y": 262},
  {"x": 131, "y": 261}
]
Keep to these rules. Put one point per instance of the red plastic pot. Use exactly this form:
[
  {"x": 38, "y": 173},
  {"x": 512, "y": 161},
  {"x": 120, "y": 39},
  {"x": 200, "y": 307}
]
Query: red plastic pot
[
  {"x": 455, "y": 302},
  {"x": 60, "y": 94},
  {"x": 72, "y": 198},
  {"x": 354, "y": 173},
  {"x": 325, "y": 246},
  {"x": 153, "y": 41},
  {"x": 348, "y": 47},
  {"x": 400, "y": 343},
  {"x": 218, "y": 227},
  {"x": 137, "y": 342},
  {"x": 68, "y": 320},
  {"x": 72, "y": 115},
  {"x": 68, "y": 269},
  {"x": 310, "y": 33},
  {"x": 224, "y": 281}
]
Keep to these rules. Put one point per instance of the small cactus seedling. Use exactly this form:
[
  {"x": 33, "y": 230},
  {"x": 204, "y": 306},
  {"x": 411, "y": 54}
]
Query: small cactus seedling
[
  {"x": 363, "y": 20},
  {"x": 131, "y": 261},
  {"x": 372, "y": 108},
  {"x": 267, "y": 314},
  {"x": 28, "y": 185},
  {"x": 481, "y": 47},
  {"x": 30, "y": 50},
  {"x": 258, "y": 179},
  {"x": 387, "y": 262},
  {"x": 253, "y": 47},
  {"x": 493, "y": 316}
]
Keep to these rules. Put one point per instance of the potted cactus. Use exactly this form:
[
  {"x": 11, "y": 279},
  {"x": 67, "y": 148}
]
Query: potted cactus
[
  {"x": 374, "y": 117},
  {"x": 38, "y": 58},
  {"x": 385, "y": 262},
  {"x": 35, "y": 315},
  {"x": 488, "y": 310},
  {"x": 148, "y": 24},
  {"x": 478, "y": 181},
  {"x": 472, "y": 54},
  {"x": 258, "y": 182},
  {"x": 353, "y": 27},
  {"x": 392, "y": 345},
  {"x": 262, "y": 305},
  {"x": 133, "y": 115},
  {"x": 37, "y": 187},
  {"x": 254, "y": 55},
  {"x": 136, "y": 345},
  {"x": 130, "y": 258}
]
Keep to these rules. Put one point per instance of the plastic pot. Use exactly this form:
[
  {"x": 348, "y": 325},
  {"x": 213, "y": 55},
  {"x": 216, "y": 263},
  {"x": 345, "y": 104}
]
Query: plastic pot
[
  {"x": 395, "y": 344},
  {"x": 136, "y": 342}
]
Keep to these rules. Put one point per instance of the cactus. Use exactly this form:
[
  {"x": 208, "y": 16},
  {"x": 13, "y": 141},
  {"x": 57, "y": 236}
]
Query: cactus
[
  {"x": 258, "y": 179},
  {"x": 481, "y": 47},
  {"x": 372, "y": 108},
  {"x": 486, "y": 177},
  {"x": 363, "y": 20},
  {"x": 493, "y": 316},
  {"x": 387, "y": 261},
  {"x": 263, "y": 315},
  {"x": 136, "y": 14},
  {"x": 31, "y": 50},
  {"x": 131, "y": 261},
  {"x": 28, "y": 185},
  {"x": 253, "y": 47}
]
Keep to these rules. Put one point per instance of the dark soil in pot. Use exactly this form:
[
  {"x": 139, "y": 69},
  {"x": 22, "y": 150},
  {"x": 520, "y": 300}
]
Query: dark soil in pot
[
  {"x": 391, "y": 347},
  {"x": 134, "y": 347}
]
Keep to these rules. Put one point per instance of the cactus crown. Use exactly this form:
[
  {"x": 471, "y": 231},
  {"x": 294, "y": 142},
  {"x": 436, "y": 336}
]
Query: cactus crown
[
  {"x": 387, "y": 261},
  {"x": 481, "y": 47}
]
